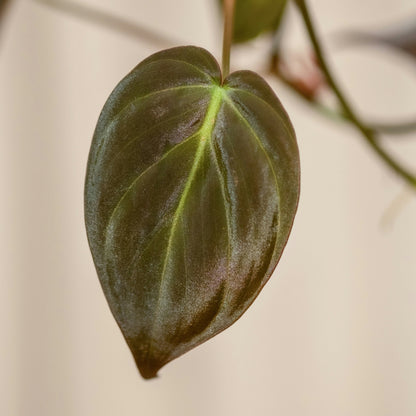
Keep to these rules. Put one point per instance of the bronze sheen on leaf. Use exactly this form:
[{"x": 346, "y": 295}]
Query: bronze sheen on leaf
[{"x": 191, "y": 190}]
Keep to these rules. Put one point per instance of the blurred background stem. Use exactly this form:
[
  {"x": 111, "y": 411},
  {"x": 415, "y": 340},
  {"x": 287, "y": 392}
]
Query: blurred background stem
[
  {"x": 366, "y": 132},
  {"x": 108, "y": 20}
]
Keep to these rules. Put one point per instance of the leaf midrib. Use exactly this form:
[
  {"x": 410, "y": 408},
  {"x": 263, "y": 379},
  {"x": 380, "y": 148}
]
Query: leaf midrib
[
  {"x": 153, "y": 165},
  {"x": 205, "y": 133}
]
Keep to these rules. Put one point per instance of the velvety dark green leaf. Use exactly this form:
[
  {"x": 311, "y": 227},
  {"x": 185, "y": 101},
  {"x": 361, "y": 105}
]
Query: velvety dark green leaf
[
  {"x": 253, "y": 17},
  {"x": 191, "y": 190}
]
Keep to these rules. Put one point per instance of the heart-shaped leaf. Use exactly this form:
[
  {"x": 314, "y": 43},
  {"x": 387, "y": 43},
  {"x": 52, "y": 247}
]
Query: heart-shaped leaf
[
  {"x": 253, "y": 17},
  {"x": 191, "y": 190}
]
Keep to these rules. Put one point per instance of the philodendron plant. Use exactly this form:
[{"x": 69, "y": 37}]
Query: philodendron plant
[
  {"x": 191, "y": 191},
  {"x": 192, "y": 187}
]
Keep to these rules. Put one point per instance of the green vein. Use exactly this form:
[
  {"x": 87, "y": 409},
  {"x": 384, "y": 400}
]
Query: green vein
[
  {"x": 184, "y": 259},
  {"x": 288, "y": 127},
  {"x": 204, "y": 133},
  {"x": 224, "y": 186},
  {"x": 100, "y": 146},
  {"x": 149, "y": 95},
  {"x": 150, "y": 130},
  {"x": 142, "y": 174},
  {"x": 197, "y": 68},
  {"x": 257, "y": 138}
]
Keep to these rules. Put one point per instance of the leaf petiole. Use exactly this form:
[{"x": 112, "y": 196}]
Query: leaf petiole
[{"x": 229, "y": 9}]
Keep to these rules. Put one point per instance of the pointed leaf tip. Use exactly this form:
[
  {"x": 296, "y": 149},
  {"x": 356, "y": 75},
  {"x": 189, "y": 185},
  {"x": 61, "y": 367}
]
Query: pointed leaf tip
[{"x": 190, "y": 194}]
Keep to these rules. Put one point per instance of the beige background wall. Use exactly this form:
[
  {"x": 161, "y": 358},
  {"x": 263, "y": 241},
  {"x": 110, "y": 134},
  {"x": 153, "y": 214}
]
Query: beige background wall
[{"x": 334, "y": 331}]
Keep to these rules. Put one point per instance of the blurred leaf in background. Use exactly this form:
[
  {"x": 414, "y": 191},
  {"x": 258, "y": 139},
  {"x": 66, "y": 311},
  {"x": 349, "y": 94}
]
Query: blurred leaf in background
[
  {"x": 253, "y": 17},
  {"x": 3, "y": 7},
  {"x": 401, "y": 37}
]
